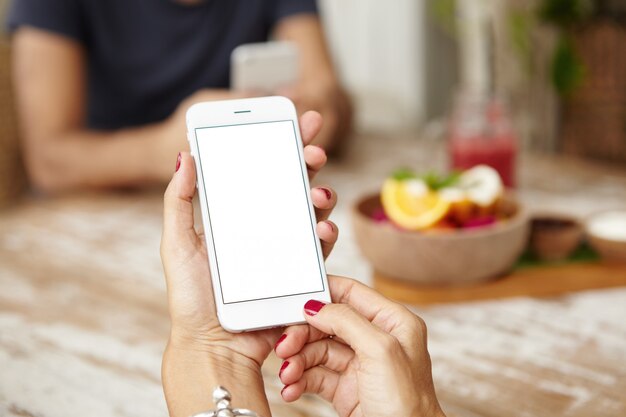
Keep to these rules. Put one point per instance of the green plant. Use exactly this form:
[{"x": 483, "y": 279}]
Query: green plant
[
  {"x": 565, "y": 13},
  {"x": 566, "y": 68},
  {"x": 444, "y": 12}
]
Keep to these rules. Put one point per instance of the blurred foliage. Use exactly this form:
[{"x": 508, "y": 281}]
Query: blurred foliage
[
  {"x": 567, "y": 68},
  {"x": 520, "y": 26},
  {"x": 444, "y": 12},
  {"x": 566, "y": 13},
  {"x": 584, "y": 253}
]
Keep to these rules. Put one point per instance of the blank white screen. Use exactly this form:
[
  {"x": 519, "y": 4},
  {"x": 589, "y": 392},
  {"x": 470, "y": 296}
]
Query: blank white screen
[{"x": 261, "y": 224}]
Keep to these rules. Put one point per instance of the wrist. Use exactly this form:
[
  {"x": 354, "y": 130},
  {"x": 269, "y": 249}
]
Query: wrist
[
  {"x": 428, "y": 406},
  {"x": 190, "y": 373},
  {"x": 220, "y": 360},
  {"x": 211, "y": 343}
]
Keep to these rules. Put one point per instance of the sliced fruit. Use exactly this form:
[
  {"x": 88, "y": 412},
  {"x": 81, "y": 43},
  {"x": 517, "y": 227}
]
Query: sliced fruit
[
  {"x": 443, "y": 226},
  {"x": 412, "y": 205},
  {"x": 453, "y": 194},
  {"x": 461, "y": 208},
  {"x": 482, "y": 185},
  {"x": 480, "y": 222}
]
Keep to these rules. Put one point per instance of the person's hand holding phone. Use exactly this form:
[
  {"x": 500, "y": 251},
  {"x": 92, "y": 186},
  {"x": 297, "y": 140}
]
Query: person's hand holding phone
[
  {"x": 364, "y": 353},
  {"x": 196, "y": 333}
]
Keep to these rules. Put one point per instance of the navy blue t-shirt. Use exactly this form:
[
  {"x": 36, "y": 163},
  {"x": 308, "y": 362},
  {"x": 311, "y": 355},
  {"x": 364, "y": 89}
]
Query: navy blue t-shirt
[{"x": 146, "y": 56}]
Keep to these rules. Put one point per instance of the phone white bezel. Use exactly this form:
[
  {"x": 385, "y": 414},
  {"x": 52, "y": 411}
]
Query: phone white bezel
[{"x": 265, "y": 313}]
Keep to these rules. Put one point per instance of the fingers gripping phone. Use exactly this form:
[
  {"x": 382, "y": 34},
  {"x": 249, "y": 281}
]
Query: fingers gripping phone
[{"x": 265, "y": 257}]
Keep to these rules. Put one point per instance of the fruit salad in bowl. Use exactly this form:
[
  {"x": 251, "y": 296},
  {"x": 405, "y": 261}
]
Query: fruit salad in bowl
[
  {"x": 463, "y": 227},
  {"x": 431, "y": 202}
]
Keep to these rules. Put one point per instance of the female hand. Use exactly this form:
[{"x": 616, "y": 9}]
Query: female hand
[
  {"x": 195, "y": 327},
  {"x": 364, "y": 353}
]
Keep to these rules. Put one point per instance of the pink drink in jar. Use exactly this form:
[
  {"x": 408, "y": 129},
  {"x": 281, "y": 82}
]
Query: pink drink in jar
[{"x": 480, "y": 132}]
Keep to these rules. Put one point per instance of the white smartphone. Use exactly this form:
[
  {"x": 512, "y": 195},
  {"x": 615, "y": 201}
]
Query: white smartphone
[
  {"x": 264, "y": 254},
  {"x": 264, "y": 67}
]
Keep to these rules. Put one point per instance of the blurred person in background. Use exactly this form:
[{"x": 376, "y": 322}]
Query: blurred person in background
[{"x": 103, "y": 86}]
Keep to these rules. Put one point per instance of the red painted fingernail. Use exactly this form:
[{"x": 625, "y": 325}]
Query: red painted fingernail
[
  {"x": 328, "y": 193},
  {"x": 283, "y": 337},
  {"x": 282, "y": 368},
  {"x": 312, "y": 307},
  {"x": 178, "y": 161}
]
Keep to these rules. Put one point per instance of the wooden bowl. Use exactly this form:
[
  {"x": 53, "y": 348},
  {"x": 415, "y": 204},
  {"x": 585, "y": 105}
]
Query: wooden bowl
[
  {"x": 554, "y": 236},
  {"x": 609, "y": 241},
  {"x": 454, "y": 257}
]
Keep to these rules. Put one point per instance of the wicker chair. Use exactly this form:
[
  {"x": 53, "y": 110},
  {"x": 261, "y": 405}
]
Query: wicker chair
[
  {"x": 12, "y": 177},
  {"x": 594, "y": 118}
]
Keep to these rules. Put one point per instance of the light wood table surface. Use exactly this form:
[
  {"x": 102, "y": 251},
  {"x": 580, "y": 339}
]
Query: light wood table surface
[{"x": 83, "y": 315}]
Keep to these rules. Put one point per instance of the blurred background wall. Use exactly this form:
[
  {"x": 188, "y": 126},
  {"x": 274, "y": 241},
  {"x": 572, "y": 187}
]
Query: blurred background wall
[
  {"x": 403, "y": 64},
  {"x": 396, "y": 62}
]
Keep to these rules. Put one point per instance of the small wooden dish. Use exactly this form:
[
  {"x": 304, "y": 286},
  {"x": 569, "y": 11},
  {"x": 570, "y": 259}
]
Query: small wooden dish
[
  {"x": 453, "y": 257},
  {"x": 554, "y": 236}
]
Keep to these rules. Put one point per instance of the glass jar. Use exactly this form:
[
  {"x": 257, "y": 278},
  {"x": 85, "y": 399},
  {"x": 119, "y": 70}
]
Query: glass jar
[{"x": 480, "y": 132}]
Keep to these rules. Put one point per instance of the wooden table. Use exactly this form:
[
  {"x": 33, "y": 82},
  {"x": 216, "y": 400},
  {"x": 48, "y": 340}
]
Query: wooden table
[{"x": 83, "y": 316}]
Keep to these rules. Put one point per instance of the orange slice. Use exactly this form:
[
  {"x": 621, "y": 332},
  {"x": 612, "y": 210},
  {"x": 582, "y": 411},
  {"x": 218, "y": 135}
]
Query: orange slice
[{"x": 411, "y": 205}]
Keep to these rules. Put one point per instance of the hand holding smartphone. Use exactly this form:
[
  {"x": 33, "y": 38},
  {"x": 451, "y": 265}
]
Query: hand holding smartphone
[{"x": 265, "y": 261}]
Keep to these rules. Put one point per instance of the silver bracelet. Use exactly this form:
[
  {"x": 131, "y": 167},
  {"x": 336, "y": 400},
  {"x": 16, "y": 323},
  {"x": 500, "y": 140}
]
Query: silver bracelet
[{"x": 222, "y": 398}]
